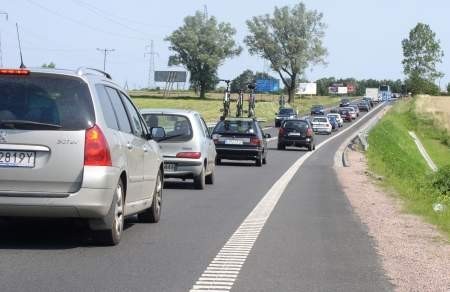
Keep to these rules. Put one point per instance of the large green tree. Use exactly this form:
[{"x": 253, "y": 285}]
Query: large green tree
[
  {"x": 202, "y": 45},
  {"x": 290, "y": 39},
  {"x": 422, "y": 52}
]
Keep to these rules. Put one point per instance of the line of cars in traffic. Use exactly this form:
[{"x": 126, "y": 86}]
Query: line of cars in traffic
[
  {"x": 74, "y": 145},
  {"x": 300, "y": 132}
]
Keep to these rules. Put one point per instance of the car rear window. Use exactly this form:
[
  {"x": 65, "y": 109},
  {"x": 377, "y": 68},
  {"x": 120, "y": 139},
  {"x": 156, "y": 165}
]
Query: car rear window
[
  {"x": 286, "y": 111},
  {"x": 235, "y": 127},
  {"x": 178, "y": 127},
  {"x": 298, "y": 125},
  {"x": 320, "y": 120},
  {"x": 48, "y": 99}
]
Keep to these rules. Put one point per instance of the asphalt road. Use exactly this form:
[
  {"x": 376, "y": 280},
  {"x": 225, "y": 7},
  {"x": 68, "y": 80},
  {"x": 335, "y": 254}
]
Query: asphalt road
[{"x": 311, "y": 242}]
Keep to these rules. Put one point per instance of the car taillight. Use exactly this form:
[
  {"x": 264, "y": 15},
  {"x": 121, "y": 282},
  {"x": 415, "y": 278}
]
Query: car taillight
[
  {"x": 255, "y": 141},
  {"x": 96, "y": 149},
  {"x": 189, "y": 155},
  {"x": 281, "y": 132},
  {"x": 215, "y": 138},
  {"x": 21, "y": 72},
  {"x": 309, "y": 132}
]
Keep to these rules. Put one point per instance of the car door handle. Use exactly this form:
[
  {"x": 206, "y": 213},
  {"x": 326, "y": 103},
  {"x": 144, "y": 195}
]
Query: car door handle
[
  {"x": 129, "y": 146},
  {"x": 145, "y": 149}
]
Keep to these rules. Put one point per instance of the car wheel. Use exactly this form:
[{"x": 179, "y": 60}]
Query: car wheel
[
  {"x": 281, "y": 146},
  {"x": 310, "y": 147},
  {"x": 259, "y": 160},
  {"x": 218, "y": 161},
  {"x": 264, "y": 161},
  {"x": 210, "y": 178},
  {"x": 152, "y": 214},
  {"x": 115, "y": 219},
  {"x": 199, "y": 180}
]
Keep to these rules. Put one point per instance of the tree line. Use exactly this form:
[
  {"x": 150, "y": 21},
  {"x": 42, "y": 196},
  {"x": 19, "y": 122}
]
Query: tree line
[{"x": 291, "y": 40}]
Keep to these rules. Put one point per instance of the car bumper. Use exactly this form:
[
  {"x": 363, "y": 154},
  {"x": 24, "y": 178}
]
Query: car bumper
[
  {"x": 238, "y": 153},
  {"x": 182, "y": 168},
  {"x": 295, "y": 141},
  {"x": 322, "y": 130},
  {"x": 92, "y": 200}
]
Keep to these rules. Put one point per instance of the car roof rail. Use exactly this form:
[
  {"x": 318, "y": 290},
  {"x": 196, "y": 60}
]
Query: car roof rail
[{"x": 84, "y": 71}]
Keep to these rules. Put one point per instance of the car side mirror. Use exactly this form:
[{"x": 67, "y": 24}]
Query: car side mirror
[
  {"x": 157, "y": 133},
  {"x": 267, "y": 136}
]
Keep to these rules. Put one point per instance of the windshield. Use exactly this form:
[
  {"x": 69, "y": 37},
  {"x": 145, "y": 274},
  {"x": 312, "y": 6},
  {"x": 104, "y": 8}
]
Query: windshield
[
  {"x": 320, "y": 120},
  {"x": 235, "y": 127},
  {"x": 298, "y": 125},
  {"x": 177, "y": 127},
  {"x": 37, "y": 100},
  {"x": 286, "y": 111}
]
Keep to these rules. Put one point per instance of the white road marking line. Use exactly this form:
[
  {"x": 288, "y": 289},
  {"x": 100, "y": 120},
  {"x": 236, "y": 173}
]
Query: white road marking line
[{"x": 254, "y": 223}]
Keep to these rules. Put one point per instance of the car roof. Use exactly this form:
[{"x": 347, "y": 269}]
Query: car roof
[{"x": 167, "y": 111}]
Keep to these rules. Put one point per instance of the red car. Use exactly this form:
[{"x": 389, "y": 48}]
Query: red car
[{"x": 345, "y": 115}]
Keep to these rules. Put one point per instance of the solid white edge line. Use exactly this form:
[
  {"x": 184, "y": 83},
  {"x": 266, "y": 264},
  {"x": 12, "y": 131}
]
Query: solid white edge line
[{"x": 260, "y": 214}]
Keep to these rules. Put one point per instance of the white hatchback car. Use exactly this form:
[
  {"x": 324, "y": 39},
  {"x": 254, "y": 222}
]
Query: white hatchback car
[
  {"x": 321, "y": 125},
  {"x": 187, "y": 148},
  {"x": 338, "y": 118}
]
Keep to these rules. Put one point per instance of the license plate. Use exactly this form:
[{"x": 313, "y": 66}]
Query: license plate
[
  {"x": 169, "y": 167},
  {"x": 294, "y": 134},
  {"x": 234, "y": 142},
  {"x": 17, "y": 158}
]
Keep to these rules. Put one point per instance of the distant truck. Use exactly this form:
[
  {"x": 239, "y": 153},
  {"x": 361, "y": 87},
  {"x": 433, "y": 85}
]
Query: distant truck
[
  {"x": 385, "y": 92},
  {"x": 373, "y": 93}
]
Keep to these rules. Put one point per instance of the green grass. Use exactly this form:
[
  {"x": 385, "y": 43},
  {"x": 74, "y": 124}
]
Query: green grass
[
  {"x": 209, "y": 108},
  {"x": 394, "y": 155}
]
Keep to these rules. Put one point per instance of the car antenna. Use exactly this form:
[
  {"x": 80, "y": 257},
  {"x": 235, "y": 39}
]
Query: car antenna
[{"x": 22, "y": 65}]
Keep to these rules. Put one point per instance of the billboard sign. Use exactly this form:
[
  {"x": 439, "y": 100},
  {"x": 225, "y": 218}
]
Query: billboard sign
[
  {"x": 307, "y": 88},
  {"x": 342, "y": 90},
  {"x": 170, "y": 76},
  {"x": 267, "y": 85},
  {"x": 333, "y": 89},
  {"x": 351, "y": 88}
]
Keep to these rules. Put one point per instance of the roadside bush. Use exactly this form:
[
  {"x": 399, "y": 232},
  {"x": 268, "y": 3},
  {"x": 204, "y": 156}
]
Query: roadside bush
[{"x": 441, "y": 180}]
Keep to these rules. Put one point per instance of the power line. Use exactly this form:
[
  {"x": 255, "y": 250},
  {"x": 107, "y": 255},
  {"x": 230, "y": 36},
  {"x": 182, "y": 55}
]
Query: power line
[
  {"x": 76, "y": 21},
  {"x": 105, "y": 53}
]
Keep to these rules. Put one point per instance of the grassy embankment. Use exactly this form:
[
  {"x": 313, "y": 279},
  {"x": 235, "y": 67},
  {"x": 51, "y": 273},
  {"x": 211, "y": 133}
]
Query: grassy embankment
[
  {"x": 209, "y": 108},
  {"x": 394, "y": 155}
]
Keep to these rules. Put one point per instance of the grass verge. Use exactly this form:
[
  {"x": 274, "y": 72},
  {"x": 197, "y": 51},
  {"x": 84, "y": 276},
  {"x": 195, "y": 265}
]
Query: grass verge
[
  {"x": 394, "y": 155},
  {"x": 209, "y": 108}
]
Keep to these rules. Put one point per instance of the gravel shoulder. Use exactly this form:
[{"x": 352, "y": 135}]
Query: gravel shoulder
[{"x": 415, "y": 256}]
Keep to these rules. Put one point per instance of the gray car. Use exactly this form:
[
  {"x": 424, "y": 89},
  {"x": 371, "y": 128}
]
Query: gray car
[
  {"x": 73, "y": 145},
  {"x": 187, "y": 148}
]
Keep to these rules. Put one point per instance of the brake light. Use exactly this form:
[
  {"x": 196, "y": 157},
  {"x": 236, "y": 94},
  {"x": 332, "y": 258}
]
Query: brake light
[
  {"x": 21, "y": 72},
  {"x": 189, "y": 155},
  {"x": 255, "y": 141},
  {"x": 96, "y": 149},
  {"x": 281, "y": 132},
  {"x": 309, "y": 132}
]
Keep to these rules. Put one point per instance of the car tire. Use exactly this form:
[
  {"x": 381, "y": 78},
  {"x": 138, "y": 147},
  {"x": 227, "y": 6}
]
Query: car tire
[
  {"x": 281, "y": 146},
  {"x": 310, "y": 147},
  {"x": 153, "y": 214},
  {"x": 218, "y": 161},
  {"x": 209, "y": 179},
  {"x": 199, "y": 180},
  {"x": 264, "y": 161},
  {"x": 114, "y": 220},
  {"x": 259, "y": 161}
]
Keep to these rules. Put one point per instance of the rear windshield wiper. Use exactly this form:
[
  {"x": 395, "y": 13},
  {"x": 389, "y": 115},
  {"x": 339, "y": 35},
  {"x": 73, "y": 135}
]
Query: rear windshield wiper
[{"x": 28, "y": 125}]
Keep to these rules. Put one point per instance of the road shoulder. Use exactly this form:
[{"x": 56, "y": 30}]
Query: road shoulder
[{"x": 415, "y": 256}]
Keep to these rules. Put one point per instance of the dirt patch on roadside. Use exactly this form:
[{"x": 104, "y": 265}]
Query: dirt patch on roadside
[{"x": 415, "y": 256}]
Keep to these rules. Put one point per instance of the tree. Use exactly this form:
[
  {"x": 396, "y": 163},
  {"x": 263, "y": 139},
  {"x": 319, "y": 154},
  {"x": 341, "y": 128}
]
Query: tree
[
  {"x": 418, "y": 85},
  {"x": 422, "y": 52},
  {"x": 448, "y": 89},
  {"x": 201, "y": 45},
  {"x": 49, "y": 65},
  {"x": 242, "y": 80},
  {"x": 291, "y": 40}
]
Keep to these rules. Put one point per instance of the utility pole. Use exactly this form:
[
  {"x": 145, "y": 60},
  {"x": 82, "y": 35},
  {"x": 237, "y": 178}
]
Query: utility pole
[
  {"x": 1, "y": 51},
  {"x": 105, "y": 53},
  {"x": 205, "y": 12},
  {"x": 151, "y": 63}
]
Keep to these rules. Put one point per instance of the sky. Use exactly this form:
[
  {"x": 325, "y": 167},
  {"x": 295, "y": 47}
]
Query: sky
[{"x": 363, "y": 37}]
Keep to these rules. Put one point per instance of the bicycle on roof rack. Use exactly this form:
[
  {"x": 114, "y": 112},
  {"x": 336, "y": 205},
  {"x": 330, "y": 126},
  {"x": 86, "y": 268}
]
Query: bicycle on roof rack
[
  {"x": 226, "y": 100},
  {"x": 240, "y": 104},
  {"x": 251, "y": 101}
]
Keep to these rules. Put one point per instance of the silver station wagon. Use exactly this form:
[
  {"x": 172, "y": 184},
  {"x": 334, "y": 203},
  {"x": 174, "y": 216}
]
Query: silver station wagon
[
  {"x": 187, "y": 148},
  {"x": 72, "y": 144}
]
